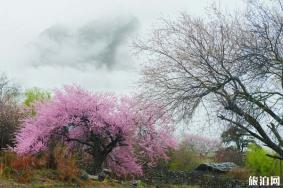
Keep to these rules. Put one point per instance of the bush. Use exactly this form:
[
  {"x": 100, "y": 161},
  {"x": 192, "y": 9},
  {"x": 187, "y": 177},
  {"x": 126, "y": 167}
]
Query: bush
[
  {"x": 18, "y": 167},
  {"x": 229, "y": 155},
  {"x": 239, "y": 173},
  {"x": 65, "y": 160},
  {"x": 10, "y": 113},
  {"x": 183, "y": 159},
  {"x": 22, "y": 168},
  {"x": 34, "y": 96},
  {"x": 260, "y": 164}
]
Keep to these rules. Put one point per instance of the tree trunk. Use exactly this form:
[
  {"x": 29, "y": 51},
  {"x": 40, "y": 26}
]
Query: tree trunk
[
  {"x": 96, "y": 164},
  {"x": 51, "y": 161}
]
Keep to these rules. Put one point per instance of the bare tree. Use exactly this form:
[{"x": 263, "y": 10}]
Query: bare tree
[
  {"x": 234, "y": 63},
  {"x": 10, "y": 113},
  {"x": 237, "y": 138}
]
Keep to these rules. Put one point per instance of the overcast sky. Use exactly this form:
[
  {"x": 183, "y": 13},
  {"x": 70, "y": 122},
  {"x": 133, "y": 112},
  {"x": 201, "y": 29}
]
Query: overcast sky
[{"x": 51, "y": 43}]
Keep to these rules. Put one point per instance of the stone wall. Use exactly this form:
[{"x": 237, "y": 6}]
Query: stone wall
[{"x": 161, "y": 177}]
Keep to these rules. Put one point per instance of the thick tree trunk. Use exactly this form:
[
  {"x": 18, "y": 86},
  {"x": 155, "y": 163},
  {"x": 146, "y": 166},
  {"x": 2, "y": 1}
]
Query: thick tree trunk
[
  {"x": 96, "y": 164},
  {"x": 51, "y": 162}
]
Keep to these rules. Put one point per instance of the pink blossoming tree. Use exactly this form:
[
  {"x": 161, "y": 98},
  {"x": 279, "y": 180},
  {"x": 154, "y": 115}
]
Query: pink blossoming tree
[
  {"x": 117, "y": 132},
  {"x": 201, "y": 144}
]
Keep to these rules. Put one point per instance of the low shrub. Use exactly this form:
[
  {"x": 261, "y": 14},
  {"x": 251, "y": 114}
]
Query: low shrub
[
  {"x": 183, "y": 159},
  {"x": 259, "y": 164},
  {"x": 65, "y": 160},
  {"x": 229, "y": 155},
  {"x": 239, "y": 173},
  {"x": 18, "y": 167},
  {"x": 23, "y": 167}
]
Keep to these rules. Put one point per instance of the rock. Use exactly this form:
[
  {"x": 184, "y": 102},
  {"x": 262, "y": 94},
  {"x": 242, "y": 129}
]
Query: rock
[
  {"x": 107, "y": 171},
  {"x": 84, "y": 175},
  {"x": 102, "y": 175},
  {"x": 92, "y": 177},
  {"x": 216, "y": 167},
  {"x": 134, "y": 184}
]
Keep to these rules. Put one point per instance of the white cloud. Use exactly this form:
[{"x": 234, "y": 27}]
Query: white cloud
[{"x": 25, "y": 24}]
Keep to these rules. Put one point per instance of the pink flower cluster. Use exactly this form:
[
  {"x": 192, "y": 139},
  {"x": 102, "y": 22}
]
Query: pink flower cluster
[{"x": 79, "y": 115}]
